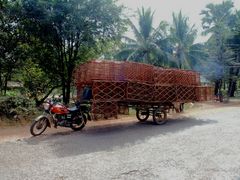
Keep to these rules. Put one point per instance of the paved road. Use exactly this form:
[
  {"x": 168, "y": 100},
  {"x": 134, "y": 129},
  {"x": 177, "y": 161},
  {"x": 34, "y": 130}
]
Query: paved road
[{"x": 204, "y": 144}]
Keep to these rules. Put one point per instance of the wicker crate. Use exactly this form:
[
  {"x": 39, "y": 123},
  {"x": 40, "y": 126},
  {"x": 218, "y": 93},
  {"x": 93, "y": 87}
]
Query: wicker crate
[
  {"x": 104, "y": 109},
  {"x": 164, "y": 93},
  {"x": 135, "y": 72},
  {"x": 109, "y": 90},
  {"x": 139, "y": 92},
  {"x": 185, "y": 93}
]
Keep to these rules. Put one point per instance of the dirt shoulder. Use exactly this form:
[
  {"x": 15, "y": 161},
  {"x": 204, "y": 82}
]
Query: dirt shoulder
[
  {"x": 18, "y": 132},
  {"x": 13, "y": 133}
]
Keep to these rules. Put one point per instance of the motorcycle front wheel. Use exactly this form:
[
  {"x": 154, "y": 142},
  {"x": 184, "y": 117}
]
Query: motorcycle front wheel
[
  {"x": 78, "y": 122},
  {"x": 142, "y": 114},
  {"x": 38, "y": 127}
]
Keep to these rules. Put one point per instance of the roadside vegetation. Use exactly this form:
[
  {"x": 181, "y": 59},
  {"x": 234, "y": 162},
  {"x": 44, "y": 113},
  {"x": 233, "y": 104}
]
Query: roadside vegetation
[{"x": 42, "y": 41}]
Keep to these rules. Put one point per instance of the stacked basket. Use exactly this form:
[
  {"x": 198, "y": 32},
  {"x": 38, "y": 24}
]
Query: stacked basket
[{"x": 113, "y": 82}]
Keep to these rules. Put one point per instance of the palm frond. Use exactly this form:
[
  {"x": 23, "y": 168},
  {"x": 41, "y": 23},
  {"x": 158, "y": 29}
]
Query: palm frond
[
  {"x": 145, "y": 22},
  {"x": 137, "y": 34}
]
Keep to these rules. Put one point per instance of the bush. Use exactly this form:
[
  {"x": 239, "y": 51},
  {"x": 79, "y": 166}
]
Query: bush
[{"x": 11, "y": 106}]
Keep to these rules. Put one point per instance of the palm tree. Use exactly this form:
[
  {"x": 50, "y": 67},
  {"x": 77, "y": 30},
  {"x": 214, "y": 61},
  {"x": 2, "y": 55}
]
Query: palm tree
[
  {"x": 216, "y": 21},
  {"x": 233, "y": 44},
  {"x": 145, "y": 46},
  {"x": 183, "y": 35}
]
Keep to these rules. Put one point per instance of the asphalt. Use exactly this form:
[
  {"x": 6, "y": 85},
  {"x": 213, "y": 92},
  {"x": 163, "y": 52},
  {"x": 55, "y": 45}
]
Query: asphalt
[{"x": 203, "y": 144}]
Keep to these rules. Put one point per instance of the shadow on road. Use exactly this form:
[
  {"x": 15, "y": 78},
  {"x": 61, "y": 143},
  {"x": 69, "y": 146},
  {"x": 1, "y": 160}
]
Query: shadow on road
[{"x": 108, "y": 137}]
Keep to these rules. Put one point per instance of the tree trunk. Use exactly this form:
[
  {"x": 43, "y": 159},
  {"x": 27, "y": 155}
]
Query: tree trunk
[
  {"x": 224, "y": 84},
  {"x": 5, "y": 86},
  {"x": 68, "y": 83},
  {"x": 218, "y": 87},
  {"x": 232, "y": 87},
  {"x": 68, "y": 90},
  {"x": 8, "y": 75},
  {"x": 70, "y": 68},
  {"x": 64, "y": 90},
  {"x": 1, "y": 82},
  {"x": 39, "y": 102},
  {"x": 63, "y": 79}
]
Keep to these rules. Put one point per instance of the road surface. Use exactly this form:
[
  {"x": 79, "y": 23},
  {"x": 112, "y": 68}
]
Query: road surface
[{"x": 202, "y": 144}]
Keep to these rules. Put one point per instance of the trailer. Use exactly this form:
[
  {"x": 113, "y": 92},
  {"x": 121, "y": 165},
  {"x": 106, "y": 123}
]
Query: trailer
[{"x": 152, "y": 91}]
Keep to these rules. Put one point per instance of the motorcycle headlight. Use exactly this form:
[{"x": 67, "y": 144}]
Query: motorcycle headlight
[{"x": 46, "y": 106}]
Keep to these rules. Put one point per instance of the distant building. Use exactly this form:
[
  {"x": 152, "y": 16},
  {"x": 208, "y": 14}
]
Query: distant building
[{"x": 14, "y": 85}]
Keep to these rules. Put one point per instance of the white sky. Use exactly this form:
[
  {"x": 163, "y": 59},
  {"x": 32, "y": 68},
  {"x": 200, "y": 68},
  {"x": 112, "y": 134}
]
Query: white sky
[{"x": 164, "y": 9}]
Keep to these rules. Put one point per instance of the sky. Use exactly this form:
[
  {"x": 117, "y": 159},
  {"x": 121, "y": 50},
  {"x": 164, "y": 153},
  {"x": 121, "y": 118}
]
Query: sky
[{"x": 163, "y": 10}]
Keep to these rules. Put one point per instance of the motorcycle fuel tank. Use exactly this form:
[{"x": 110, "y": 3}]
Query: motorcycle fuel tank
[{"x": 59, "y": 109}]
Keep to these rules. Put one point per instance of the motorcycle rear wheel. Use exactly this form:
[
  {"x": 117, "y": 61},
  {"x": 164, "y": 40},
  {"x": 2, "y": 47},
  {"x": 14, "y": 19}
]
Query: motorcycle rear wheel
[
  {"x": 38, "y": 127},
  {"x": 79, "y": 123}
]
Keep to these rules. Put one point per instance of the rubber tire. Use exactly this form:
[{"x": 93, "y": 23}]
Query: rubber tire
[
  {"x": 139, "y": 117},
  {"x": 82, "y": 126},
  {"x": 181, "y": 107},
  {"x": 33, "y": 125},
  {"x": 155, "y": 119}
]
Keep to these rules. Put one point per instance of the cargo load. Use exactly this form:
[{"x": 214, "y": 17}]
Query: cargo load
[{"x": 122, "y": 83}]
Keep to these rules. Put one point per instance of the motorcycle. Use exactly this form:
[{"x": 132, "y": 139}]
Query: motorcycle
[{"x": 57, "y": 114}]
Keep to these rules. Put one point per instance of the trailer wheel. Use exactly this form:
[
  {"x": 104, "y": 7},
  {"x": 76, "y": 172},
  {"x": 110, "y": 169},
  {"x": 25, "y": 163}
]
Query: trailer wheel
[
  {"x": 142, "y": 114},
  {"x": 181, "y": 107},
  {"x": 159, "y": 117}
]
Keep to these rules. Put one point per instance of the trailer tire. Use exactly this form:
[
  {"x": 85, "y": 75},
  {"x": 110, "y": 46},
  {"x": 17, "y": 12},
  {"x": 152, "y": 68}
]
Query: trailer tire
[
  {"x": 159, "y": 117},
  {"x": 142, "y": 114},
  {"x": 181, "y": 107}
]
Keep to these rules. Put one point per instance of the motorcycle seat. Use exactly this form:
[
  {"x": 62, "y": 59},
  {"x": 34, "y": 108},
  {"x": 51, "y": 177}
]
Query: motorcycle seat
[{"x": 72, "y": 109}]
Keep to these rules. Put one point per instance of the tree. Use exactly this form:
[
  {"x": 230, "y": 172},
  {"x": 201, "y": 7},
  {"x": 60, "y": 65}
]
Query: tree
[
  {"x": 217, "y": 18},
  {"x": 75, "y": 30},
  {"x": 146, "y": 45},
  {"x": 37, "y": 71},
  {"x": 37, "y": 83},
  {"x": 233, "y": 43},
  {"x": 10, "y": 46},
  {"x": 183, "y": 35}
]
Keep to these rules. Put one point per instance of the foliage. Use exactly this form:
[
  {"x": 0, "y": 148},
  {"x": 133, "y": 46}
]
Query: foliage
[
  {"x": 11, "y": 106},
  {"x": 43, "y": 40},
  {"x": 164, "y": 46},
  {"x": 183, "y": 35},
  {"x": 10, "y": 49},
  {"x": 76, "y": 31},
  {"x": 36, "y": 82},
  {"x": 233, "y": 44},
  {"x": 217, "y": 21},
  {"x": 147, "y": 46}
]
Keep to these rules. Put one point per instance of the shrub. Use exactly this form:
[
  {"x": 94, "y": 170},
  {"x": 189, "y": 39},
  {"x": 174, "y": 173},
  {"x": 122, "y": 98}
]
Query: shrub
[{"x": 11, "y": 106}]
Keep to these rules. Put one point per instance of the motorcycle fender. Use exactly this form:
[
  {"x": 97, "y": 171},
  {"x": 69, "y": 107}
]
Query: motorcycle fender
[
  {"x": 86, "y": 115},
  {"x": 43, "y": 116},
  {"x": 89, "y": 117}
]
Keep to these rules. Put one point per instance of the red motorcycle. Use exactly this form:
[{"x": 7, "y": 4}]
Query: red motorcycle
[{"x": 57, "y": 114}]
